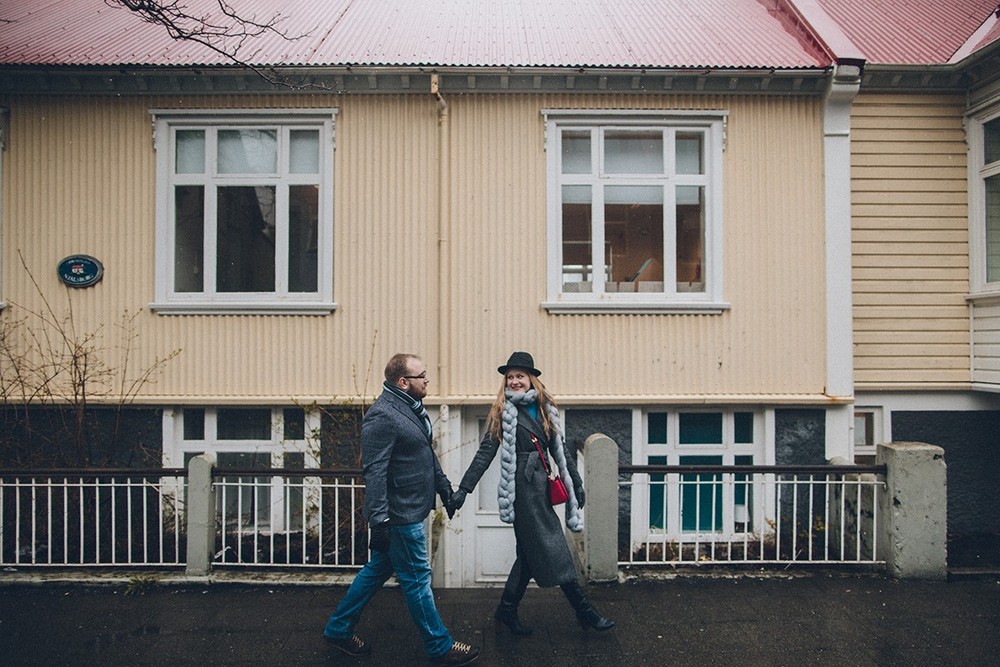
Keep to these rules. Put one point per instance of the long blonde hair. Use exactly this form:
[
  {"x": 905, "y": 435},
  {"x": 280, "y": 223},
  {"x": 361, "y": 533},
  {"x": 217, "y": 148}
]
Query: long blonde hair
[{"x": 493, "y": 420}]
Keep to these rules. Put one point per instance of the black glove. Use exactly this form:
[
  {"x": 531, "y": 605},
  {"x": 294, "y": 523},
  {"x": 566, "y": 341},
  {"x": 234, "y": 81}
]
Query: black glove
[
  {"x": 581, "y": 496},
  {"x": 457, "y": 500},
  {"x": 446, "y": 497},
  {"x": 379, "y": 536}
]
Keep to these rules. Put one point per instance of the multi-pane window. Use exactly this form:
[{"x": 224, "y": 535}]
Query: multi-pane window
[
  {"x": 249, "y": 439},
  {"x": 701, "y": 502},
  {"x": 635, "y": 210},
  {"x": 984, "y": 201},
  {"x": 245, "y": 212},
  {"x": 990, "y": 174}
]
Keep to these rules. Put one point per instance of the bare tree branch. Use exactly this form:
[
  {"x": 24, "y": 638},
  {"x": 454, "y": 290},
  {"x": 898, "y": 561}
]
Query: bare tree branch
[
  {"x": 227, "y": 33},
  {"x": 50, "y": 359}
]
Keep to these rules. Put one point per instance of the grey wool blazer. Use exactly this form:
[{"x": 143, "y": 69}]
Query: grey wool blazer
[{"x": 402, "y": 472}]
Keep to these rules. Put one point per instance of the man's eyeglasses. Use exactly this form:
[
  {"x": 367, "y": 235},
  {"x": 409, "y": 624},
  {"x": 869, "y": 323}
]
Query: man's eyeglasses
[{"x": 422, "y": 376}]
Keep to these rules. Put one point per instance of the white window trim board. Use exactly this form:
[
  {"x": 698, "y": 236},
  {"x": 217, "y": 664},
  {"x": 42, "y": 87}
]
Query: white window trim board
[
  {"x": 978, "y": 172},
  {"x": 713, "y": 122},
  {"x": 166, "y": 301}
]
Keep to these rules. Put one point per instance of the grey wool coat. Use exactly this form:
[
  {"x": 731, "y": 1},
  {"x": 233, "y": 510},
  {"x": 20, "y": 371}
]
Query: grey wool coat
[
  {"x": 541, "y": 542},
  {"x": 402, "y": 472}
]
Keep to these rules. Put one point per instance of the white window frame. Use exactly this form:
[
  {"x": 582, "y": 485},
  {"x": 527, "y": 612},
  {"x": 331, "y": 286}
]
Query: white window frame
[
  {"x": 175, "y": 447},
  {"x": 713, "y": 125},
  {"x": 642, "y": 449},
  {"x": 170, "y": 302},
  {"x": 875, "y": 414},
  {"x": 979, "y": 171}
]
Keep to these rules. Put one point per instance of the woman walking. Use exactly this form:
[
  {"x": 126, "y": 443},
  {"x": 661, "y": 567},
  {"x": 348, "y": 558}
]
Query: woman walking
[{"x": 522, "y": 425}]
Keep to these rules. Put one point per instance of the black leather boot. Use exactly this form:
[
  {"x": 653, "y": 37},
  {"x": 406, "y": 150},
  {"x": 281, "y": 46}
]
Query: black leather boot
[
  {"x": 507, "y": 614},
  {"x": 585, "y": 612}
]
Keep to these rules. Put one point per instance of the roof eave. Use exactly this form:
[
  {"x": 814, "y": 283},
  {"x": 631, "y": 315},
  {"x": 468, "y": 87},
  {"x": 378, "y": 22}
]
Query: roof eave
[
  {"x": 400, "y": 79},
  {"x": 973, "y": 72}
]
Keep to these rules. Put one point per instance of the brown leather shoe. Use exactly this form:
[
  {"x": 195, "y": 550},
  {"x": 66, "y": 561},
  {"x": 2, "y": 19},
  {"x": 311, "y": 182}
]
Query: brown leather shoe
[
  {"x": 460, "y": 654},
  {"x": 352, "y": 645}
]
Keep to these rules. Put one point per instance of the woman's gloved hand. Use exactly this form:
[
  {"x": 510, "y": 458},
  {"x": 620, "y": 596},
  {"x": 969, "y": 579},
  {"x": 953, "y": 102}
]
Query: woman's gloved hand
[
  {"x": 581, "y": 496},
  {"x": 446, "y": 500},
  {"x": 457, "y": 500}
]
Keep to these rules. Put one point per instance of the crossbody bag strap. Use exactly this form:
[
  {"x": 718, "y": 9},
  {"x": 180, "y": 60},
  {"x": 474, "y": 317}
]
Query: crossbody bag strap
[{"x": 541, "y": 455}]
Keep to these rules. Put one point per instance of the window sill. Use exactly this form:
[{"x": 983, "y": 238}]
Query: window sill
[
  {"x": 984, "y": 296},
  {"x": 221, "y": 308},
  {"x": 635, "y": 307}
]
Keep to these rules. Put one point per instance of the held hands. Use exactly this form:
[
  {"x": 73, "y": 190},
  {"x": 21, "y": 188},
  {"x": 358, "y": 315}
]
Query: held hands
[
  {"x": 456, "y": 501},
  {"x": 379, "y": 540},
  {"x": 446, "y": 497}
]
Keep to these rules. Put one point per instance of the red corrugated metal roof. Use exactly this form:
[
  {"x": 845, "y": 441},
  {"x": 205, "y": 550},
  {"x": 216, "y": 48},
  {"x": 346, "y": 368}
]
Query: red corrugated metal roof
[
  {"x": 918, "y": 32},
  {"x": 516, "y": 33},
  {"x": 990, "y": 36},
  {"x": 513, "y": 33}
]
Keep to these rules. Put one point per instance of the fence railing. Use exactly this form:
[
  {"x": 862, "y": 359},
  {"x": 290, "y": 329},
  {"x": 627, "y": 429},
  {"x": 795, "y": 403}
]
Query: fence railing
[
  {"x": 750, "y": 514},
  {"x": 280, "y": 517},
  {"x": 87, "y": 517},
  {"x": 133, "y": 518}
]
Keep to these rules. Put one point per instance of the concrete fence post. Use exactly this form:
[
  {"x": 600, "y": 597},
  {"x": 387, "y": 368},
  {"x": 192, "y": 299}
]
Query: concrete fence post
[
  {"x": 913, "y": 511},
  {"x": 601, "y": 525},
  {"x": 200, "y": 515}
]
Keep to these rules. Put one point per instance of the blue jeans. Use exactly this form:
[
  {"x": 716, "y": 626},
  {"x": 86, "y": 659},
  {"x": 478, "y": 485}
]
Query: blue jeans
[{"x": 408, "y": 558}]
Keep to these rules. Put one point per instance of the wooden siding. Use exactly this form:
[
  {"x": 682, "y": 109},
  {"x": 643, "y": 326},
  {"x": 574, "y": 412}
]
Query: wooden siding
[
  {"x": 909, "y": 242},
  {"x": 80, "y": 177},
  {"x": 986, "y": 344}
]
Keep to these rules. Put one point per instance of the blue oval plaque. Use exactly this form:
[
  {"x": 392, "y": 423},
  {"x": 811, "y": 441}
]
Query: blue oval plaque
[{"x": 80, "y": 271}]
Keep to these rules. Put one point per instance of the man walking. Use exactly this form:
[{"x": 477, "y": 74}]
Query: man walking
[{"x": 402, "y": 474}]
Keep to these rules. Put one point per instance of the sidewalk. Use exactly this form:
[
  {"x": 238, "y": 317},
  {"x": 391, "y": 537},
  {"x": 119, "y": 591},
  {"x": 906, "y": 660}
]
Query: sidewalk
[{"x": 776, "y": 620}]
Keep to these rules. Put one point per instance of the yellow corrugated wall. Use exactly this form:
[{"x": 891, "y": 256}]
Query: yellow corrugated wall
[
  {"x": 80, "y": 178},
  {"x": 910, "y": 242},
  {"x": 770, "y": 342}
]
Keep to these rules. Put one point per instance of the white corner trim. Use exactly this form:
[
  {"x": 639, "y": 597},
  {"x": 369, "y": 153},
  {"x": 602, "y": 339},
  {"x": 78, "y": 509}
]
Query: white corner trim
[{"x": 844, "y": 85}]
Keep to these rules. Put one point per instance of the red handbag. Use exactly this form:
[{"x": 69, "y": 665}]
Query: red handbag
[{"x": 557, "y": 490}]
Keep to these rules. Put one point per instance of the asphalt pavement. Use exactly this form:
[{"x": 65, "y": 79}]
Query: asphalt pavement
[{"x": 810, "y": 619}]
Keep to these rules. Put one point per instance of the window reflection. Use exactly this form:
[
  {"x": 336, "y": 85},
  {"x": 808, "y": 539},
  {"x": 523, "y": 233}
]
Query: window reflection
[{"x": 633, "y": 234}]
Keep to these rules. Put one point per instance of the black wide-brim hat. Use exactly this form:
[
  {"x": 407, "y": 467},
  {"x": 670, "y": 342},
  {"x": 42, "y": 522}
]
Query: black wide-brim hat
[{"x": 520, "y": 360}]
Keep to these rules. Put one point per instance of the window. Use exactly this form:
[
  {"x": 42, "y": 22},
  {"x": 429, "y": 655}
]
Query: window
[
  {"x": 244, "y": 212},
  {"x": 703, "y": 503},
  {"x": 984, "y": 205},
  {"x": 248, "y": 438},
  {"x": 635, "y": 211},
  {"x": 867, "y": 431}
]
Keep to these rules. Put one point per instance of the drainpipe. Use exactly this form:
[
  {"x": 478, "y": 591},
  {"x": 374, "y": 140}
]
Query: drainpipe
[
  {"x": 844, "y": 85},
  {"x": 443, "y": 568},
  {"x": 443, "y": 250}
]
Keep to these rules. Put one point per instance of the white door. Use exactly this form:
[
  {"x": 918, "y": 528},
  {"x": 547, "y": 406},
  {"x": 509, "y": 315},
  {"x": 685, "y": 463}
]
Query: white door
[{"x": 487, "y": 542}]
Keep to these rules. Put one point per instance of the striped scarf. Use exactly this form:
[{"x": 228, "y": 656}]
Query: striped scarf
[
  {"x": 508, "y": 459},
  {"x": 415, "y": 405}
]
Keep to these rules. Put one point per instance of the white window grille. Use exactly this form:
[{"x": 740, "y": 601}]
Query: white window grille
[
  {"x": 634, "y": 211},
  {"x": 244, "y": 211}
]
